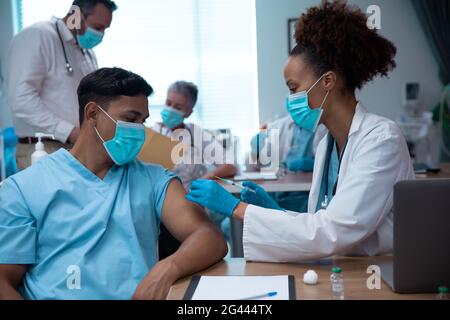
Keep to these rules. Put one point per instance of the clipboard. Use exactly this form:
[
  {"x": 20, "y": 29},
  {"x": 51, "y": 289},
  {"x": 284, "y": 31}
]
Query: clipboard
[
  {"x": 196, "y": 280},
  {"x": 158, "y": 148}
]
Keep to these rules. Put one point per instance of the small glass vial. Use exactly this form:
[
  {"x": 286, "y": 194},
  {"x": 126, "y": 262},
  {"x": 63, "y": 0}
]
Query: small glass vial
[
  {"x": 442, "y": 294},
  {"x": 337, "y": 283}
]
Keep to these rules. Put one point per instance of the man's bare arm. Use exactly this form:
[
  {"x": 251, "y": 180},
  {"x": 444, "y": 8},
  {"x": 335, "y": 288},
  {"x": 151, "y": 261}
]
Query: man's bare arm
[
  {"x": 202, "y": 244},
  {"x": 10, "y": 278}
]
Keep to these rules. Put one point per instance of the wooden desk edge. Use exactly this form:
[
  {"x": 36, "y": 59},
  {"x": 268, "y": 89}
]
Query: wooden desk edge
[{"x": 354, "y": 269}]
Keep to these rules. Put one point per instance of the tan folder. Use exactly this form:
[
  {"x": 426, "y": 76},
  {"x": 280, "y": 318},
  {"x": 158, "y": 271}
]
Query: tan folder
[{"x": 158, "y": 148}]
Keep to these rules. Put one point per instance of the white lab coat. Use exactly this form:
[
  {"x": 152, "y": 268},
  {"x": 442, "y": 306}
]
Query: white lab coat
[
  {"x": 358, "y": 220},
  {"x": 41, "y": 92}
]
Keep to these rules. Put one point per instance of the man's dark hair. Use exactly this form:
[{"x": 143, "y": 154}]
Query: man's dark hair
[
  {"x": 86, "y": 6},
  {"x": 108, "y": 84}
]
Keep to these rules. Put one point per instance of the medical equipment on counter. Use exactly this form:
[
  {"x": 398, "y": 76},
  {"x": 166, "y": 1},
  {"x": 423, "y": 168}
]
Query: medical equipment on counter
[{"x": 414, "y": 123}]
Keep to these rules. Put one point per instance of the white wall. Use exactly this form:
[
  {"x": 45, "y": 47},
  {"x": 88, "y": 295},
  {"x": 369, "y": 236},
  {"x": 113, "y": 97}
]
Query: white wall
[
  {"x": 272, "y": 44},
  {"x": 399, "y": 24},
  {"x": 415, "y": 60},
  {"x": 6, "y": 33}
]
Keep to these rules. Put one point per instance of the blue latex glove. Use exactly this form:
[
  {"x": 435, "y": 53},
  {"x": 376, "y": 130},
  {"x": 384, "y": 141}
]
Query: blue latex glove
[
  {"x": 211, "y": 195},
  {"x": 305, "y": 164},
  {"x": 261, "y": 198}
]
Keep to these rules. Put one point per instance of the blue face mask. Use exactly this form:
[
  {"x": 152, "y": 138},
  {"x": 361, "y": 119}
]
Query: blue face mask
[
  {"x": 172, "y": 118},
  {"x": 127, "y": 142},
  {"x": 298, "y": 107},
  {"x": 90, "y": 39}
]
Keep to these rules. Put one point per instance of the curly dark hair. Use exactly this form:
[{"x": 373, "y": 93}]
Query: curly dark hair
[{"x": 334, "y": 37}]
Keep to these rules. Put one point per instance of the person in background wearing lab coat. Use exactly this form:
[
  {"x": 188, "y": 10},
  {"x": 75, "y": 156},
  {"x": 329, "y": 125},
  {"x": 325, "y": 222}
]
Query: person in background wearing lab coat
[
  {"x": 350, "y": 209},
  {"x": 45, "y": 66},
  {"x": 296, "y": 151}
]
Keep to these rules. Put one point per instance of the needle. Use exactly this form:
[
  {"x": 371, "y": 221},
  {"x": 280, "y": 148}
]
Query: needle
[{"x": 233, "y": 183}]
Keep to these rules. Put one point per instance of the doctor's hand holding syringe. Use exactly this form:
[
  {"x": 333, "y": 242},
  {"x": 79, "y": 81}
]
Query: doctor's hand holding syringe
[{"x": 212, "y": 195}]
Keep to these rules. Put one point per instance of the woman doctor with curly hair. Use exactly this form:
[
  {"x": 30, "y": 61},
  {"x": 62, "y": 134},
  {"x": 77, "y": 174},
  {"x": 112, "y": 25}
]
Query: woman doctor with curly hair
[{"x": 350, "y": 209}]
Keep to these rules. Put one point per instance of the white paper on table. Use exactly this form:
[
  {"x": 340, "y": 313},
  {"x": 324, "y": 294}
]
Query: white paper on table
[
  {"x": 241, "y": 287},
  {"x": 270, "y": 175}
]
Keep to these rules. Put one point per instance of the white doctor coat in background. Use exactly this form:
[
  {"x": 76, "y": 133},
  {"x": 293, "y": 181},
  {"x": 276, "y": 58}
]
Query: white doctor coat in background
[
  {"x": 42, "y": 94},
  {"x": 358, "y": 220}
]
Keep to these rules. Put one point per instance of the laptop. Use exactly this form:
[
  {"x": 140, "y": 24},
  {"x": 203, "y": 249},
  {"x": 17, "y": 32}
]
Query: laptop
[{"x": 421, "y": 259}]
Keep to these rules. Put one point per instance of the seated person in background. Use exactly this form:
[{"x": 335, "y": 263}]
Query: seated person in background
[
  {"x": 297, "y": 148},
  {"x": 181, "y": 99},
  {"x": 84, "y": 224}
]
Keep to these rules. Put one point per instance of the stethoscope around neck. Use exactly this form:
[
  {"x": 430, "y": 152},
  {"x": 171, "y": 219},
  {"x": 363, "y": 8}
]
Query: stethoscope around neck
[
  {"x": 69, "y": 67},
  {"x": 331, "y": 142}
]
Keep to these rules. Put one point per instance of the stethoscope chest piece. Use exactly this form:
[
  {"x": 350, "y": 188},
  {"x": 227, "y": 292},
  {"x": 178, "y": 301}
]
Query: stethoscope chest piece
[{"x": 69, "y": 68}]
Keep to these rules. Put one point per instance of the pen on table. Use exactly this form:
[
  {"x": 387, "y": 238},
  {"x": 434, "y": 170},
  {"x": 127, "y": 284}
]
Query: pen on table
[
  {"x": 266, "y": 295},
  {"x": 231, "y": 182}
]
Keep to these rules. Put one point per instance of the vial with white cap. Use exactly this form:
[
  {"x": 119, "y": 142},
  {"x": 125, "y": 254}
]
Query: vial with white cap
[{"x": 40, "y": 152}]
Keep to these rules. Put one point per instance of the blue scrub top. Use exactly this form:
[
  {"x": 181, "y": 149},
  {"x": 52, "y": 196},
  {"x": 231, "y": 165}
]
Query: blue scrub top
[
  {"x": 332, "y": 159},
  {"x": 73, "y": 228},
  {"x": 299, "y": 158},
  {"x": 301, "y": 149}
]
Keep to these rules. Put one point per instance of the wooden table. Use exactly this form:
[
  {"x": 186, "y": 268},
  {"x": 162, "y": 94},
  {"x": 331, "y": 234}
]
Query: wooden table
[{"x": 354, "y": 270}]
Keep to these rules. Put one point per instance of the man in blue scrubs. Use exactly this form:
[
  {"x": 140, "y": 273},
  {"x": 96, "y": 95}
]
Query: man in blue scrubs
[{"x": 84, "y": 224}]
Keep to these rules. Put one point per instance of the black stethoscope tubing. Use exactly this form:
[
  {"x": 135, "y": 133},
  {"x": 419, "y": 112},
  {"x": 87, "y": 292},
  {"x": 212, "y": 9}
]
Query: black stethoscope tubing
[
  {"x": 69, "y": 68},
  {"x": 327, "y": 165}
]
